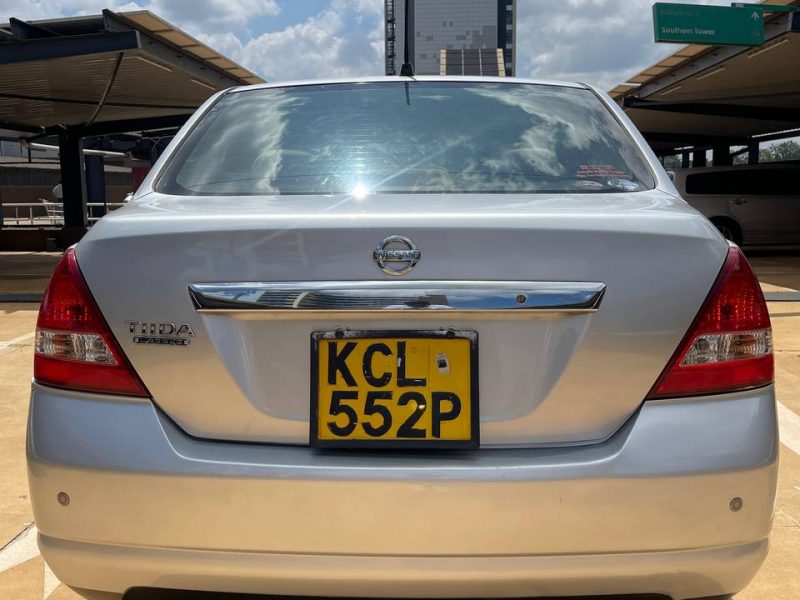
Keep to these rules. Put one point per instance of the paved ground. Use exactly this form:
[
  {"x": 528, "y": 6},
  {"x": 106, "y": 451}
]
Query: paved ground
[{"x": 24, "y": 576}]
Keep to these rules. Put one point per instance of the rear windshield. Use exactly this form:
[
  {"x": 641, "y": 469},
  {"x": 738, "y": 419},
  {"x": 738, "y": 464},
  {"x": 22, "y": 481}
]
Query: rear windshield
[{"x": 421, "y": 137}]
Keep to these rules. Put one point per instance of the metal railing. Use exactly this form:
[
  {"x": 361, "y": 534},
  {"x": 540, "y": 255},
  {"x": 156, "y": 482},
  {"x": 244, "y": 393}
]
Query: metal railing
[{"x": 43, "y": 214}]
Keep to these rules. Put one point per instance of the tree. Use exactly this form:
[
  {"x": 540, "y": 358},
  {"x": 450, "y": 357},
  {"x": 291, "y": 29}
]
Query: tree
[{"x": 789, "y": 150}]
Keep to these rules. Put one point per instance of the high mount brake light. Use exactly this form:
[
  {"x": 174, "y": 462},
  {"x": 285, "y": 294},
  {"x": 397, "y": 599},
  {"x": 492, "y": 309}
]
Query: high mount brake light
[
  {"x": 729, "y": 345},
  {"x": 75, "y": 348}
]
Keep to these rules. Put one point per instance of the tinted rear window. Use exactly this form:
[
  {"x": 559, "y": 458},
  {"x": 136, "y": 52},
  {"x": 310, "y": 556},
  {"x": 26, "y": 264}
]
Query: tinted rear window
[
  {"x": 747, "y": 182},
  {"x": 407, "y": 137}
]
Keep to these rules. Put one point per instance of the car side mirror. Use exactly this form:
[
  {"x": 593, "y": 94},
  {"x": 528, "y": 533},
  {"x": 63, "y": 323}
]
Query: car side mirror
[{"x": 671, "y": 175}]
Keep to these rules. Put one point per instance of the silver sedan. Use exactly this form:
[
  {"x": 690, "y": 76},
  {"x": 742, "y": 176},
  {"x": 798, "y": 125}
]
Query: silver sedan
[{"x": 405, "y": 337}]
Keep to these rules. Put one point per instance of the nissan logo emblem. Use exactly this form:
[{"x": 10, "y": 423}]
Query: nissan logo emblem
[{"x": 396, "y": 255}]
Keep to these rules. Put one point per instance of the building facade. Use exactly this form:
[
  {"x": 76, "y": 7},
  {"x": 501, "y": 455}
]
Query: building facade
[{"x": 454, "y": 37}]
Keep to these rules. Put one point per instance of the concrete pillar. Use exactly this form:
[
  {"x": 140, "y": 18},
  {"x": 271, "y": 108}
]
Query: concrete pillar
[
  {"x": 752, "y": 153},
  {"x": 699, "y": 158},
  {"x": 95, "y": 185},
  {"x": 685, "y": 160},
  {"x": 722, "y": 156},
  {"x": 412, "y": 39},
  {"x": 73, "y": 179}
]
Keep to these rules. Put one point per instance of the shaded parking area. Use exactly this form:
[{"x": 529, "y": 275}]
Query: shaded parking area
[
  {"x": 24, "y": 575},
  {"x": 725, "y": 120},
  {"x": 78, "y": 130},
  {"x": 703, "y": 100}
]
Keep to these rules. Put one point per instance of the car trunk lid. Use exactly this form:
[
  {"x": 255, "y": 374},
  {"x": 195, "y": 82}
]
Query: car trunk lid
[{"x": 550, "y": 376}]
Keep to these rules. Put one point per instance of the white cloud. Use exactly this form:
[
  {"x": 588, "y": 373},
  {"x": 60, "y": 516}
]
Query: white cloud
[
  {"x": 212, "y": 13},
  {"x": 363, "y": 7},
  {"x": 603, "y": 42},
  {"x": 320, "y": 46}
]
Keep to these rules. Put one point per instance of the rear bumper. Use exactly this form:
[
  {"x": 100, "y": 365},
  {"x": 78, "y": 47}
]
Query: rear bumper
[
  {"x": 647, "y": 511},
  {"x": 678, "y": 574}
]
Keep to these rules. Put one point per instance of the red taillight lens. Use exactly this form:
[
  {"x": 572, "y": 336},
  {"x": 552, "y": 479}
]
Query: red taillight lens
[
  {"x": 729, "y": 345},
  {"x": 75, "y": 348}
]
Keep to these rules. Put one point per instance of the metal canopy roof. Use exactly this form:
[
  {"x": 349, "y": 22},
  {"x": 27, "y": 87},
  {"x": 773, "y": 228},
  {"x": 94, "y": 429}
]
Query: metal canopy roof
[
  {"x": 706, "y": 95},
  {"x": 107, "y": 73}
]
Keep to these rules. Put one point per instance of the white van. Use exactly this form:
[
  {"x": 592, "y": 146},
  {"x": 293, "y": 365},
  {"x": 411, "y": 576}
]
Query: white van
[{"x": 749, "y": 204}]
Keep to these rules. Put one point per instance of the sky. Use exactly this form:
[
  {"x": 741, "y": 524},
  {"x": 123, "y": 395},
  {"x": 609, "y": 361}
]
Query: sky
[{"x": 602, "y": 42}]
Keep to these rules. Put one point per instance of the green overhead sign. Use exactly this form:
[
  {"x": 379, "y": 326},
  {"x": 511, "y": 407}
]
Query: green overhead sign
[{"x": 702, "y": 24}]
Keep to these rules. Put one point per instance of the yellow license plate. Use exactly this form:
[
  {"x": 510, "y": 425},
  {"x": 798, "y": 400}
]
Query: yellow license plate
[{"x": 393, "y": 389}]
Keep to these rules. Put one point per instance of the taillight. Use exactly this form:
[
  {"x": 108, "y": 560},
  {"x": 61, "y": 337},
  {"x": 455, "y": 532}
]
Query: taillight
[
  {"x": 75, "y": 348},
  {"x": 729, "y": 345}
]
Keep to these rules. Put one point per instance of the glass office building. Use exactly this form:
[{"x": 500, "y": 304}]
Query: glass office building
[{"x": 453, "y": 37}]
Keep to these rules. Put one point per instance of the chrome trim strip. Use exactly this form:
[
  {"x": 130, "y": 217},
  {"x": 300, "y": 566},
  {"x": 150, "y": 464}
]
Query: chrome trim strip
[{"x": 381, "y": 298}]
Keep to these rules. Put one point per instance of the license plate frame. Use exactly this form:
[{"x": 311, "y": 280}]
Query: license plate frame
[{"x": 393, "y": 443}]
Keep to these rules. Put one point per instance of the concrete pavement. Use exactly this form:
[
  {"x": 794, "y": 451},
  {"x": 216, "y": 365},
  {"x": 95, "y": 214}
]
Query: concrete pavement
[{"x": 24, "y": 576}]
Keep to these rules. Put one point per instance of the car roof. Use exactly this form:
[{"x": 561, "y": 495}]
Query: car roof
[{"x": 431, "y": 78}]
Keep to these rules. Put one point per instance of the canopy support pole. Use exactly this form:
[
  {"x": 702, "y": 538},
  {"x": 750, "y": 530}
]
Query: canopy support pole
[{"x": 73, "y": 179}]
